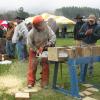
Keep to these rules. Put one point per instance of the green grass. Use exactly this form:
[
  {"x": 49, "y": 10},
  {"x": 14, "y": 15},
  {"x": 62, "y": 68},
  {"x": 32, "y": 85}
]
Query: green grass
[{"x": 19, "y": 70}]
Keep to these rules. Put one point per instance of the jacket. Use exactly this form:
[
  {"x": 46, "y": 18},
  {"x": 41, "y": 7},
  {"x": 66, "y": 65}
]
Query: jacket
[{"x": 89, "y": 39}]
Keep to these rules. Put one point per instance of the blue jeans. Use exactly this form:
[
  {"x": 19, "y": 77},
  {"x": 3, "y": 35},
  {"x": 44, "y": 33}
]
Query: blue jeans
[
  {"x": 21, "y": 50},
  {"x": 10, "y": 48}
]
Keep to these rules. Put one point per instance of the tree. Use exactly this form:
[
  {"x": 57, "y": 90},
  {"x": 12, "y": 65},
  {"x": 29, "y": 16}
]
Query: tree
[{"x": 21, "y": 13}]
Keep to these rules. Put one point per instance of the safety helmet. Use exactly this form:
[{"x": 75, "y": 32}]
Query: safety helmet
[{"x": 37, "y": 20}]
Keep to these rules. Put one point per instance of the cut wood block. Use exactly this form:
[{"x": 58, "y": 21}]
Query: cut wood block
[
  {"x": 81, "y": 94},
  {"x": 96, "y": 50},
  {"x": 22, "y": 96},
  {"x": 92, "y": 89},
  {"x": 88, "y": 98},
  {"x": 87, "y": 85},
  {"x": 86, "y": 51},
  {"x": 71, "y": 53},
  {"x": 87, "y": 93},
  {"x": 54, "y": 53}
]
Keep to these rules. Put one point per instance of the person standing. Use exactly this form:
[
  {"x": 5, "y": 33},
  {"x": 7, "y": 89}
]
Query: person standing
[
  {"x": 20, "y": 38},
  {"x": 9, "y": 45},
  {"x": 89, "y": 33},
  {"x": 39, "y": 38},
  {"x": 77, "y": 28}
]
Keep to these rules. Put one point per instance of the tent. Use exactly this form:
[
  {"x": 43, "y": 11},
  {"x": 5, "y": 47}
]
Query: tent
[
  {"x": 58, "y": 19},
  {"x": 64, "y": 20}
]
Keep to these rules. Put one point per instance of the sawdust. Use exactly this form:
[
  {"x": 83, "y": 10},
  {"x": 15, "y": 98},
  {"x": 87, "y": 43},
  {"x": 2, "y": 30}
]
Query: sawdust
[{"x": 10, "y": 84}]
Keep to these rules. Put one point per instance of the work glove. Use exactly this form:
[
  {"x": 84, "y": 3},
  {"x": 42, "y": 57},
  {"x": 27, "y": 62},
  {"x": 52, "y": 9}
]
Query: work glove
[
  {"x": 89, "y": 32},
  {"x": 39, "y": 51}
]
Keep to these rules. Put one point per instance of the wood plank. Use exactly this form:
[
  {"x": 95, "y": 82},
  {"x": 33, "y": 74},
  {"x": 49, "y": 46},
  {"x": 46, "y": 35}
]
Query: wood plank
[
  {"x": 92, "y": 89},
  {"x": 87, "y": 93},
  {"x": 89, "y": 98},
  {"x": 87, "y": 85}
]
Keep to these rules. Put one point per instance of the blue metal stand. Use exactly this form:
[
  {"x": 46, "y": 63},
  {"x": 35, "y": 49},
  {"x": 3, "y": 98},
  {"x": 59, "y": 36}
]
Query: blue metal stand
[{"x": 72, "y": 63}]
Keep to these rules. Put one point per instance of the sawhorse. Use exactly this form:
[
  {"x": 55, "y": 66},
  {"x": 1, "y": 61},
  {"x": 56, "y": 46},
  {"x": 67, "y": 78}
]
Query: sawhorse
[{"x": 72, "y": 63}]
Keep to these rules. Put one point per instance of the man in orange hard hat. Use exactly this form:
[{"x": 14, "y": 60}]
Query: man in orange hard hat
[{"x": 39, "y": 38}]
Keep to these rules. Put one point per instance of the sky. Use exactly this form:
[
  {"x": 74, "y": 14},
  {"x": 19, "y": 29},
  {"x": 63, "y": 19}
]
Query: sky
[{"x": 36, "y": 6}]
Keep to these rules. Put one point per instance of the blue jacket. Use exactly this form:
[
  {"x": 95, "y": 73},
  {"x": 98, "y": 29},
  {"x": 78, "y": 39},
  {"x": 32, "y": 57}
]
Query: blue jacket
[{"x": 89, "y": 39}]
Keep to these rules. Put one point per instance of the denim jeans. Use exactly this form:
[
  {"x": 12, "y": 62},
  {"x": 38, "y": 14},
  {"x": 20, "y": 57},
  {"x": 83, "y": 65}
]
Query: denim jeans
[
  {"x": 21, "y": 50},
  {"x": 10, "y": 48}
]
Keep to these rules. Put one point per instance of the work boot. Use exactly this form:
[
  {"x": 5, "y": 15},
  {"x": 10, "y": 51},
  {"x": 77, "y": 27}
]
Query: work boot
[{"x": 30, "y": 86}]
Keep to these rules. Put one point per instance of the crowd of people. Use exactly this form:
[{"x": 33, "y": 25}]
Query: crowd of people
[{"x": 29, "y": 39}]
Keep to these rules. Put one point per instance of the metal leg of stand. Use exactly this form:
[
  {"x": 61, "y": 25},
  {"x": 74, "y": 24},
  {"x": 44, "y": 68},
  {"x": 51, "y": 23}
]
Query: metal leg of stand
[
  {"x": 83, "y": 72},
  {"x": 55, "y": 74},
  {"x": 73, "y": 79}
]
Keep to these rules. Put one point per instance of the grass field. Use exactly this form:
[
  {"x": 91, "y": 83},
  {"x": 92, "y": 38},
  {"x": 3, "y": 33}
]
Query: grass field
[{"x": 13, "y": 78}]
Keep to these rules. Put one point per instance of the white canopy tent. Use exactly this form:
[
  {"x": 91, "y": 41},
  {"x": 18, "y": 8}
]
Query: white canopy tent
[{"x": 58, "y": 19}]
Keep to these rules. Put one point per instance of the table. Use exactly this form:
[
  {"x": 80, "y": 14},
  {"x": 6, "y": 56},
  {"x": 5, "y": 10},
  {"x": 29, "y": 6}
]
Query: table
[{"x": 72, "y": 64}]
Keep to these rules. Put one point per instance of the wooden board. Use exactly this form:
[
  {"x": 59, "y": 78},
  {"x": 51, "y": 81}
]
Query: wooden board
[
  {"x": 87, "y": 93},
  {"x": 92, "y": 89},
  {"x": 89, "y": 98},
  {"x": 87, "y": 85},
  {"x": 22, "y": 96}
]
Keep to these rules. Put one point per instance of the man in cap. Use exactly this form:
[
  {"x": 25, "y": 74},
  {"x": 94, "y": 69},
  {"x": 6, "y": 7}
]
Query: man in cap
[
  {"x": 39, "y": 38},
  {"x": 20, "y": 38},
  {"x": 79, "y": 23},
  {"x": 88, "y": 35}
]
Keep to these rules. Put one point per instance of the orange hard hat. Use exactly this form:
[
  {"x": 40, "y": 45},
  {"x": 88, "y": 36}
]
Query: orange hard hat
[{"x": 38, "y": 19}]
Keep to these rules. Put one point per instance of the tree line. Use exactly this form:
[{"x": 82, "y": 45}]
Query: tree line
[{"x": 71, "y": 12}]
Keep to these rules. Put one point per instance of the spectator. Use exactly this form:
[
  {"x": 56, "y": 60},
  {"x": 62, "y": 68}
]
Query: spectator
[
  {"x": 64, "y": 31},
  {"x": 20, "y": 38},
  {"x": 89, "y": 33},
  {"x": 77, "y": 27},
  {"x": 9, "y": 45}
]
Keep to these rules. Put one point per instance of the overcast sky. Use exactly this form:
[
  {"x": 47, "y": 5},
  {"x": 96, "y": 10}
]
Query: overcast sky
[{"x": 34, "y": 6}]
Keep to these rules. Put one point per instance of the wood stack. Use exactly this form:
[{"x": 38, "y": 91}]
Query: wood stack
[{"x": 72, "y": 52}]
